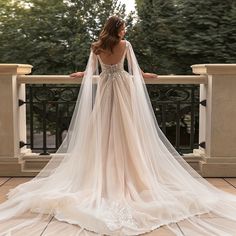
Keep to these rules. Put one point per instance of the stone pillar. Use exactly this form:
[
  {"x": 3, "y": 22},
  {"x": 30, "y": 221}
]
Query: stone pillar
[
  {"x": 217, "y": 119},
  {"x": 12, "y": 117}
]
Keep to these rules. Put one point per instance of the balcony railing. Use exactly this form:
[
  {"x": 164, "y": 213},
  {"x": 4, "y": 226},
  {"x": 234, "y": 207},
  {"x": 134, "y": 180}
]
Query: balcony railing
[
  {"x": 194, "y": 111},
  {"x": 49, "y": 109}
]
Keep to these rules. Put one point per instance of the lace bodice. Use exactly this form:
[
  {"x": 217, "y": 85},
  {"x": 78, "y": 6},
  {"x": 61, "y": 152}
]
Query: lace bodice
[{"x": 114, "y": 67}]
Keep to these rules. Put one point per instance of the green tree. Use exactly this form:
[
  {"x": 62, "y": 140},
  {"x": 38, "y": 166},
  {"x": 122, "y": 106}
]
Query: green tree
[
  {"x": 52, "y": 35},
  {"x": 208, "y": 32},
  {"x": 156, "y": 31},
  {"x": 179, "y": 33}
]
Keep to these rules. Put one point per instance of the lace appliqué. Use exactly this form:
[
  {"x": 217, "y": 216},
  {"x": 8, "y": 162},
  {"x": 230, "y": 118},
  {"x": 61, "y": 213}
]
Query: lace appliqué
[{"x": 118, "y": 214}]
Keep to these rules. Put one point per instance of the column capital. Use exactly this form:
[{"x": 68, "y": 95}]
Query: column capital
[
  {"x": 214, "y": 69},
  {"x": 15, "y": 69}
]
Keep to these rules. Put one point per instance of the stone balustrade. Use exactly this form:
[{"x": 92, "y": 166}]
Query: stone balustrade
[{"x": 217, "y": 132}]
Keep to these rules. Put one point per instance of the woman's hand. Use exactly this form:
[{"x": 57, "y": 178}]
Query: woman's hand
[
  {"x": 150, "y": 75},
  {"x": 78, "y": 74}
]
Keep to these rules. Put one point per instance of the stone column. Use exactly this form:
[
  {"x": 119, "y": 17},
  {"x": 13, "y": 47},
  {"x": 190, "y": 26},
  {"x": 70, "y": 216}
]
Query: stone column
[
  {"x": 217, "y": 119},
  {"x": 12, "y": 117}
]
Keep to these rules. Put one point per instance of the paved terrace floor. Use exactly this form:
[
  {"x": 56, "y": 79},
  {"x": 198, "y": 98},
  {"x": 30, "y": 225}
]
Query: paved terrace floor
[{"x": 226, "y": 184}]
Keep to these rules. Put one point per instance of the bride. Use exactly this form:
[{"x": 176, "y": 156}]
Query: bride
[{"x": 115, "y": 172}]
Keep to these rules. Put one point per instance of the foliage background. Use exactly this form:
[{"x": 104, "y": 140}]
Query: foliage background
[{"x": 168, "y": 36}]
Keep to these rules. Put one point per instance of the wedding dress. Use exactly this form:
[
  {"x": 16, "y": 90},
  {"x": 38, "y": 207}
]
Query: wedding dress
[{"x": 115, "y": 172}]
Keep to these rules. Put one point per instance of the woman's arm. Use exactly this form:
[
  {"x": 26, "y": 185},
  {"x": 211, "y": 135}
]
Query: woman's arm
[
  {"x": 78, "y": 74},
  {"x": 149, "y": 75}
]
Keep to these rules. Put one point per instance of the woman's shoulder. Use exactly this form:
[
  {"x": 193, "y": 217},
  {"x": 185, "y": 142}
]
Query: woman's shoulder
[
  {"x": 126, "y": 42},
  {"x": 122, "y": 43}
]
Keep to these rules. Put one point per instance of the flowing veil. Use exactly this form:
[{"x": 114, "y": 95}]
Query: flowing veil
[{"x": 206, "y": 209}]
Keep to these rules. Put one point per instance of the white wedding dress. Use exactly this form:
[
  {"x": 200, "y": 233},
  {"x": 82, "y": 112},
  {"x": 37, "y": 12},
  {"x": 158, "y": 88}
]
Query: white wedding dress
[{"x": 115, "y": 172}]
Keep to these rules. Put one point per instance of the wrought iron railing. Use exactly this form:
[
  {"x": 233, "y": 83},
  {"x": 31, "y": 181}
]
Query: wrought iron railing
[
  {"x": 177, "y": 112},
  {"x": 50, "y": 108}
]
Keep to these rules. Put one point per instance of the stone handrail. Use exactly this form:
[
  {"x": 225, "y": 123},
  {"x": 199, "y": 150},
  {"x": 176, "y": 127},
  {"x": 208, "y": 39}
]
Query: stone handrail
[{"x": 65, "y": 79}]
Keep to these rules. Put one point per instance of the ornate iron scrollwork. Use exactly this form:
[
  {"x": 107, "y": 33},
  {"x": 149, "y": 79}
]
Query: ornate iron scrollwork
[{"x": 51, "y": 108}]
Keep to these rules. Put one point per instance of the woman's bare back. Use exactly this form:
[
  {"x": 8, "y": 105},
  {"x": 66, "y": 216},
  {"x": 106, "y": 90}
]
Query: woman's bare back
[{"x": 116, "y": 56}]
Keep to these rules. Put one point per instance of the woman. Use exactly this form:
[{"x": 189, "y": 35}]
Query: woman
[
  {"x": 115, "y": 172},
  {"x": 110, "y": 44}
]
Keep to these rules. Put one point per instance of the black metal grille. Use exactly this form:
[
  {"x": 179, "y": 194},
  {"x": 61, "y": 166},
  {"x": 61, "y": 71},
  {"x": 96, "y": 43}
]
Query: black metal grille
[
  {"x": 177, "y": 112},
  {"x": 50, "y": 108}
]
